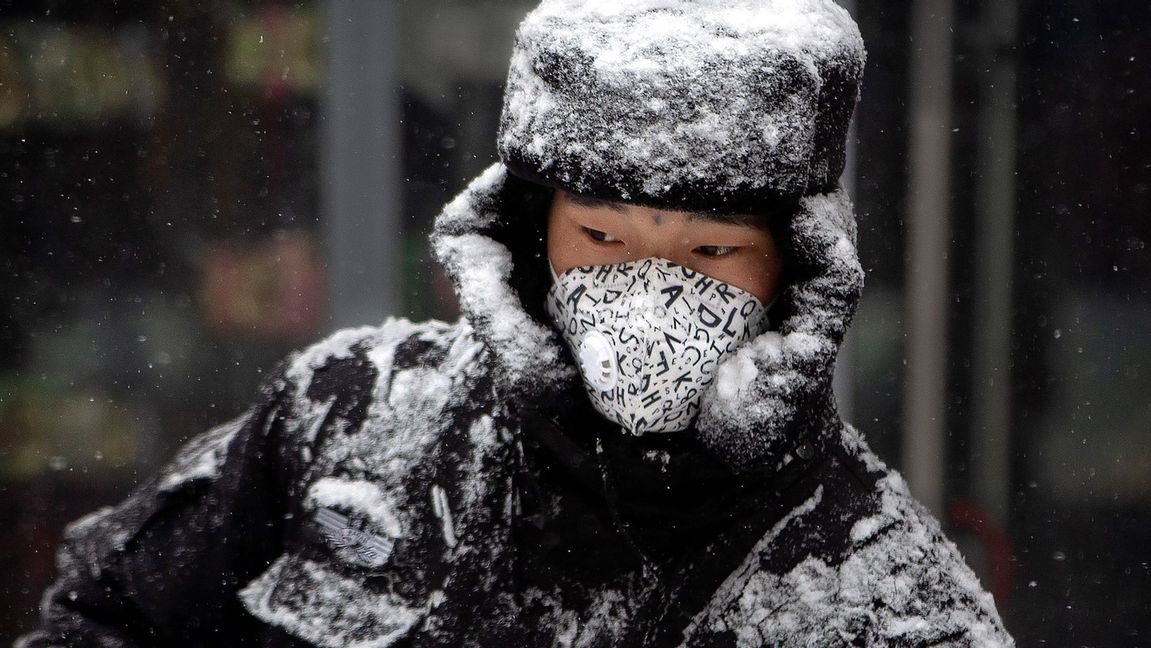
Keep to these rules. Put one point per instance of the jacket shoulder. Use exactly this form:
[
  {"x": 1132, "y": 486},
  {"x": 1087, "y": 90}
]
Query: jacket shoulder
[
  {"x": 866, "y": 565},
  {"x": 398, "y": 369},
  {"x": 395, "y": 428},
  {"x": 396, "y": 344}
]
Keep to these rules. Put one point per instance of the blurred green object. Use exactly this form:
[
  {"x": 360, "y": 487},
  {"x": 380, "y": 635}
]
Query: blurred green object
[
  {"x": 276, "y": 49},
  {"x": 45, "y": 427},
  {"x": 73, "y": 76},
  {"x": 13, "y": 90}
]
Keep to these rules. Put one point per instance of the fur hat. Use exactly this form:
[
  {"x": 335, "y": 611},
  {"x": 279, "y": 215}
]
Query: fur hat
[
  {"x": 703, "y": 105},
  {"x": 730, "y": 106}
]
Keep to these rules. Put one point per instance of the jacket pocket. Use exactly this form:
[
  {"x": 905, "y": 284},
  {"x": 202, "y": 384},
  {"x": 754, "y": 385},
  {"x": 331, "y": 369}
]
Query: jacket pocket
[
  {"x": 355, "y": 573},
  {"x": 313, "y": 601},
  {"x": 356, "y": 521}
]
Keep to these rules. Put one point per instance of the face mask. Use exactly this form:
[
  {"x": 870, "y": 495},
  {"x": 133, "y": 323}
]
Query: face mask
[{"x": 648, "y": 336}]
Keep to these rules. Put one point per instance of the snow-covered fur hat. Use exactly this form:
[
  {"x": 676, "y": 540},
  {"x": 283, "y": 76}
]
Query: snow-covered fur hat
[
  {"x": 733, "y": 106},
  {"x": 701, "y": 105}
]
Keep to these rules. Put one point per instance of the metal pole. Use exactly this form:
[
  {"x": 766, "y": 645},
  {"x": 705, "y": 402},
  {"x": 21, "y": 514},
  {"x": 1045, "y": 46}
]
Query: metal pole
[
  {"x": 929, "y": 210},
  {"x": 843, "y": 381},
  {"x": 995, "y": 250},
  {"x": 360, "y": 162}
]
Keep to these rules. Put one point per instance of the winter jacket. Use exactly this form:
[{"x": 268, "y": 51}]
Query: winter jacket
[
  {"x": 426, "y": 485},
  {"x": 449, "y": 484}
]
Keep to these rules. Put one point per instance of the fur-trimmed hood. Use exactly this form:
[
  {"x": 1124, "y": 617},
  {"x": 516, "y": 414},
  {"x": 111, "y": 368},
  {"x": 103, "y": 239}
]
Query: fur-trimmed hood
[
  {"x": 724, "y": 106},
  {"x": 769, "y": 399}
]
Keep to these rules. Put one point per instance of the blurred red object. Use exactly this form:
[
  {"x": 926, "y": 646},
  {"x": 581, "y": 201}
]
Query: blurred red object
[
  {"x": 274, "y": 289},
  {"x": 966, "y": 515}
]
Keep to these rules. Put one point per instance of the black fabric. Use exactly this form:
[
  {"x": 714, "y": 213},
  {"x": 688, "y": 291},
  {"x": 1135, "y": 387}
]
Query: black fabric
[
  {"x": 524, "y": 208},
  {"x": 654, "y": 518},
  {"x": 666, "y": 492},
  {"x": 163, "y": 568},
  {"x": 660, "y": 503}
]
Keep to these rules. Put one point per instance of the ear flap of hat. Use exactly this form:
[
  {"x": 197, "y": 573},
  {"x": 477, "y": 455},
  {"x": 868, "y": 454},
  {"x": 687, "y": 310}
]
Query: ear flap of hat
[
  {"x": 481, "y": 238},
  {"x": 775, "y": 392}
]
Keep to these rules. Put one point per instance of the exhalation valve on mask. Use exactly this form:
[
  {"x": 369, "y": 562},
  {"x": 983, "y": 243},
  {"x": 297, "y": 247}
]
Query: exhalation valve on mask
[{"x": 649, "y": 336}]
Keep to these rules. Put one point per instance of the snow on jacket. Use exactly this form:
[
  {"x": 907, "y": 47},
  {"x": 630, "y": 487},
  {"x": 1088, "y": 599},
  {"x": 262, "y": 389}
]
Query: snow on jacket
[
  {"x": 449, "y": 485},
  {"x": 418, "y": 485}
]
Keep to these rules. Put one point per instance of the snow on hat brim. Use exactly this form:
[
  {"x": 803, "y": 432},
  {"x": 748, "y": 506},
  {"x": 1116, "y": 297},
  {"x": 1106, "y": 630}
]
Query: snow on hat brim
[{"x": 703, "y": 105}]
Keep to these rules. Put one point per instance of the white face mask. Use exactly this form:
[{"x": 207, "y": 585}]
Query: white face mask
[{"x": 649, "y": 335}]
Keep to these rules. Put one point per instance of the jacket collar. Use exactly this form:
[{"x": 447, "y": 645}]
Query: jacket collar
[{"x": 531, "y": 364}]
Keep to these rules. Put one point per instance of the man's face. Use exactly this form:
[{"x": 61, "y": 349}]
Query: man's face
[{"x": 587, "y": 232}]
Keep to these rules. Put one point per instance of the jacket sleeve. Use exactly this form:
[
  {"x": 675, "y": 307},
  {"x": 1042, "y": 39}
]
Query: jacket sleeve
[{"x": 165, "y": 564}]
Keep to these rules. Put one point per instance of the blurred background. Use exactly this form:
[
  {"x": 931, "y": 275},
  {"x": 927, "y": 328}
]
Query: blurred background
[{"x": 190, "y": 190}]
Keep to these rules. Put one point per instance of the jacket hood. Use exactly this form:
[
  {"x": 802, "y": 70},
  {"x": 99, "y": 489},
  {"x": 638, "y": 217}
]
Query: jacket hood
[
  {"x": 769, "y": 399},
  {"x": 729, "y": 106}
]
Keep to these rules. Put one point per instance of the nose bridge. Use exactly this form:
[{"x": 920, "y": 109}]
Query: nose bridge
[
  {"x": 670, "y": 253},
  {"x": 644, "y": 307},
  {"x": 643, "y": 318},
  {"x": 662, "y": 236}
]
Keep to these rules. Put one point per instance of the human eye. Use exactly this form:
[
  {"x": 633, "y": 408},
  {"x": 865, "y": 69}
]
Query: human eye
[
  {"x": 600, "y": 236},
  {"x": 715, "y": 250}
]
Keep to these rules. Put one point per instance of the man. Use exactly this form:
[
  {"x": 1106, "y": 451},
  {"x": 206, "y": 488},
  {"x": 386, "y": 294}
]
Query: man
[{"x": 629, "y": 440}]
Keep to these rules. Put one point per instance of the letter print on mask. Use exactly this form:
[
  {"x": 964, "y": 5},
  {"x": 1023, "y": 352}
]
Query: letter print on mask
[{"x": 649, "y": 335}]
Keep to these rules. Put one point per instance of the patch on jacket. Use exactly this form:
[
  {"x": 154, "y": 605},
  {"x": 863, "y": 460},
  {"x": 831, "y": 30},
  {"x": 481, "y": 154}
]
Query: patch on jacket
[
  {"x": 311, "y": 601},
  {"x": 362, "y": 548},
  {"x": 356, "y": 519}
]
